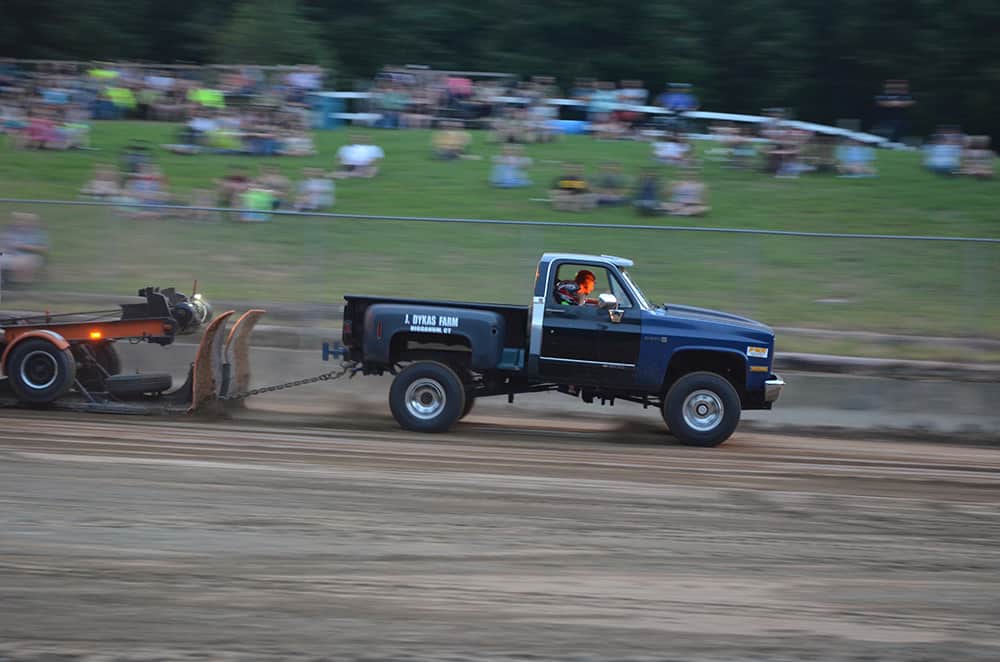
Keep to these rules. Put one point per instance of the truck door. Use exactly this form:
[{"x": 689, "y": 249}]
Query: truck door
[
  {"x": 618, "y": 342},
  {"x": 570, "y": 350}
]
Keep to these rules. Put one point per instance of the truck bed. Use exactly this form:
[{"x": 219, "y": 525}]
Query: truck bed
[{"x": 515, "y": 317}]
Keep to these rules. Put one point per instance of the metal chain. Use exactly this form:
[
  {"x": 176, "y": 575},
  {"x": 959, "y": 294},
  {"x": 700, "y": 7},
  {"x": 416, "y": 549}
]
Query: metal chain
[{"x": 325, "y": 377}]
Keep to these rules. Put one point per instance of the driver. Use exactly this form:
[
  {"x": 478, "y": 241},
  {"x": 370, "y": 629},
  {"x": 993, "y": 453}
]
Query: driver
[{"x": 574, "y": 292}]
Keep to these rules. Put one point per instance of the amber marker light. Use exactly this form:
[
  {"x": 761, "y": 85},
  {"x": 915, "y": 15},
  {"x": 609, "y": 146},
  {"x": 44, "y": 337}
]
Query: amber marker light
[{"x": 96, "y": 334}]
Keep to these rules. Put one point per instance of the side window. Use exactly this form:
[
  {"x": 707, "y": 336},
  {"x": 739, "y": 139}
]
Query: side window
[
  {"x": 620, "y": 293},
  {"x": 564, "y": 289},
  {"x": 565, "y": 285}
]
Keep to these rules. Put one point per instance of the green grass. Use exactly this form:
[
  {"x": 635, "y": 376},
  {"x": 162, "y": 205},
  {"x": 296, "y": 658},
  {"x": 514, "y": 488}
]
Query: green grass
[{"x": 897, "y": 287}]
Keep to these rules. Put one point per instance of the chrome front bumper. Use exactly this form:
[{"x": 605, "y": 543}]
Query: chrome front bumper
[{"x": 772, "y": 388}]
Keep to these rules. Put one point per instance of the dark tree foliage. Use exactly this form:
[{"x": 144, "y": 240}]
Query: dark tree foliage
[{"x": 824, "y": 60}]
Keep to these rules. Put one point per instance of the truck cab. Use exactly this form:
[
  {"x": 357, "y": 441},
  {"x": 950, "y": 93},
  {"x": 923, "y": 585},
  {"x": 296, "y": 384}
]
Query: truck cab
[{"x": 700, "y": 367}]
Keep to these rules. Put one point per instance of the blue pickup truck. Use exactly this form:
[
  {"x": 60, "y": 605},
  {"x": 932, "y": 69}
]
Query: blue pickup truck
[{"x": 700, "y": 367}]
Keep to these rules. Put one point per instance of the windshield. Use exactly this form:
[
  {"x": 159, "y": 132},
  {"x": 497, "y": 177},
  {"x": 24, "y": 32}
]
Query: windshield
[{"x": 643, "y": 302}]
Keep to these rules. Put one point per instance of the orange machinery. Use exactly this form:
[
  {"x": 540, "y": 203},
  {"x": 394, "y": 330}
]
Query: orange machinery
[{"x": 46, "y": 357}]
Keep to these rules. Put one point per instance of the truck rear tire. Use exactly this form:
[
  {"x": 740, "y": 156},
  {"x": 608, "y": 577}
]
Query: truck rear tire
[
  {"x": 702, "y": 409},
  {"x": 39, "y": 372},
  {"x": 427, "y": 397}
]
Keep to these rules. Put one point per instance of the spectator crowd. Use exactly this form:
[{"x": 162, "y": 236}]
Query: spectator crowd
[{"x": 265, "y": 112}]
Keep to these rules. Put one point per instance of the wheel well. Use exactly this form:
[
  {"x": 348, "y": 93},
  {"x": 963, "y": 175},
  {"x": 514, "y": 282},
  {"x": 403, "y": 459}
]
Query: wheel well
[
  {"x": 730, "y": 365},
  {"x": 452, "y": 350}
]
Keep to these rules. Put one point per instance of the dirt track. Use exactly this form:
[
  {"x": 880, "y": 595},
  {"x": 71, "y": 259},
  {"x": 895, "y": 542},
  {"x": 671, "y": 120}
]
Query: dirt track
[{"x": 148, "y": 539}]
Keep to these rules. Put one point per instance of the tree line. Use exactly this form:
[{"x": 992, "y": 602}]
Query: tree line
[{"x": 825, "y": 60}]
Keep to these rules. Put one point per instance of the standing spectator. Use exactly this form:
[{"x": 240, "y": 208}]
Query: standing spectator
[
  {"x": 894, "y": 104},
  {"x": 678, "y": 99},
  {"x": 603, "y": 102},
  {"x": 631, "y": 93},
  {"x": 392, "y": 103}
]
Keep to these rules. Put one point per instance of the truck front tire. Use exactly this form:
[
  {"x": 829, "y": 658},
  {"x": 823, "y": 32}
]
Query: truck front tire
[
  {"x": 427, "y": 397},
  {"x": 702, "y": 409}
]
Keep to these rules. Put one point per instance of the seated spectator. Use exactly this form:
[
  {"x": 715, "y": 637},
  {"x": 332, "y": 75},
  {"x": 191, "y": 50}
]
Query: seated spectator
[
  {"x": 418, "y": 113},
  {"x": 647, "y": 193},
  {"x": 256, "y": 202},
  {"x": 451, "y": 141},
  {"x": 271, "y": 178},
  {"x": 820, "y": 155},
  {"x": 104, "y": 184},
  {"x": 978, "y": 158},
  {"x": 540, "y": 117},
  {"x": 359, "y": 159},
  {"x": 611, "y": 187},
  {"x": 744, "y": 151},
  {"x": 509, "y": 168},
  {"x": 672, "y": 150},
  {"x": 296, "y": 143},
  {"x": 41, "y": 131},
  {"x": 201, "y": 125},
  {"x": 203, "y": 200},
  {"x": 943, "y": 156},
  {"x": 147, "y": 188},
  {"x": 231, "y": 186},
  {"x": 24, "y": 249},
  {"x": 606, "y": 126},
  {"x": 687, "y": 196},
  {"x": 316, "y": 191},
  {"x": 856, "y": 159},
  {"x": 511, "y": 125},
  {"x": 787, "y": 152},
  {"x": 570, "y": 191},
  {"x": 76, "y": 127}
]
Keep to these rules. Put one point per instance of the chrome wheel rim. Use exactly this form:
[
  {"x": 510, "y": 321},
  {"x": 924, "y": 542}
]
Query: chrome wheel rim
[
  {"x": 39, "y": 370},
  {"x": 425, "y": 399},
  {"x": 703, "y": 410}
]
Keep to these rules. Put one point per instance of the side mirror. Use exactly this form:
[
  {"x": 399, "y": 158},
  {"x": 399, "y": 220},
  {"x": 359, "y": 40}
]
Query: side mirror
[{"x": 610, "y": 301}]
